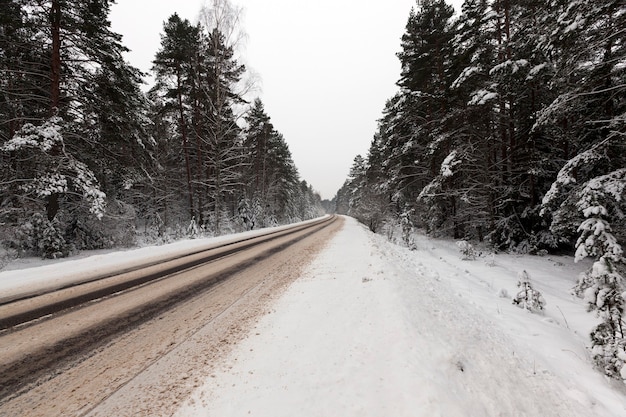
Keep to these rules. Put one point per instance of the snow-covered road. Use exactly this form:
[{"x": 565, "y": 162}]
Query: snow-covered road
[{"x": 373, "y": 329}]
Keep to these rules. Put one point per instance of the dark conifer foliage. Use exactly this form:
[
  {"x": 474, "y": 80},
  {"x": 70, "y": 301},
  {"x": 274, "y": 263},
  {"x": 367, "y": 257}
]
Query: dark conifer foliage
[
  {"x": 89, "y": 159},
  {"x": 510, "y": 127},
  {"x": 273, "y": 192},
  {"x": 175, "y": 70},
  {"x": 73, "y": 121},
  {"x": 492, "y": 104}
]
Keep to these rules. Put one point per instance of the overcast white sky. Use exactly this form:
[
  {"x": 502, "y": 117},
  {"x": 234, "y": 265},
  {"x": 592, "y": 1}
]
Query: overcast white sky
[{"x": 326, "y": 68}]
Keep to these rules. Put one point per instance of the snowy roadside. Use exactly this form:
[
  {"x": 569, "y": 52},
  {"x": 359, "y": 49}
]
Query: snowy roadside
[
  {"x": 27, "y": 275},
  {"x": 373, "y": 329}
]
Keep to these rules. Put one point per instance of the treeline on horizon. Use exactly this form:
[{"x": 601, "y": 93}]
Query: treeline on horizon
[{"x": 91, "y": 161}]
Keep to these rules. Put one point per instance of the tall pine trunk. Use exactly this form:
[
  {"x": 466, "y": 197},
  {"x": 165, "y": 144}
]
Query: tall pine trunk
[
  {"x": 52, "y": 205},
  {"x": 183, "y": 132}
]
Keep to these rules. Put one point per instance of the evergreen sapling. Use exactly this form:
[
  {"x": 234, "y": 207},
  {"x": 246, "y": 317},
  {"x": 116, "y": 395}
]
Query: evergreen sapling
[
  {"x": 528, "y": 298},
  {"x": 602, "y": 286},
  {"x": 467, "y": 250}
]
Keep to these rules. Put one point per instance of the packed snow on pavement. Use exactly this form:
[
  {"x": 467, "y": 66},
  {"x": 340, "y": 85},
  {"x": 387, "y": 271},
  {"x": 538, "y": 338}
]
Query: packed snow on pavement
[{"x": 375, "y": 329}]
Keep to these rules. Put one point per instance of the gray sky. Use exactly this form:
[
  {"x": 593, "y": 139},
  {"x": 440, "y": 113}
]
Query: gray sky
[{"x": 326, "y": 68}]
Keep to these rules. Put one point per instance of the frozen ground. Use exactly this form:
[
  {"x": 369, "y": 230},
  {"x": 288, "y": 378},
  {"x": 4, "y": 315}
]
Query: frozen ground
[{"x": 373, "y": 329}]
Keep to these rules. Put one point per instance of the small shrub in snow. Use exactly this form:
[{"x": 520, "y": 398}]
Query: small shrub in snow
[
  {"x": 85, "y": 234},
  {"x": 503, "y": 293},
  {"x": 608, "y": 352},
  {"x": 528, "y": 298},
  {"x": 52, "y": 244},
  {"x": 6, "y": 256},
  {"x": 193, "y": 230},
  {"x": 467, "y": 250},
  {"x": 43, "y": 237},
  {"x": 407, "y": 231}
]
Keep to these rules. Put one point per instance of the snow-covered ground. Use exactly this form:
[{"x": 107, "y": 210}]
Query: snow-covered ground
[{"x": 373, "y": 329}]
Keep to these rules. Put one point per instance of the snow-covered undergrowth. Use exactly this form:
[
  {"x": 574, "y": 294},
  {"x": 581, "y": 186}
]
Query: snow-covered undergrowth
[{"x": 375, "y": 329}]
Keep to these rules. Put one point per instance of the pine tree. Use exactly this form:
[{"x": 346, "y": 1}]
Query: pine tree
[
  {"x": 394, "y": 172},
  {"x": 173, "y": 66},
  {"x": 273, "y": 186},
  {"x": 24, "y": 67},
  {"x": 256, "y": 144},
  {"x": 283, "y": 184},
  {"x": 223, "y": 137},
  {"x": 427, "y": 52},
  {"x": 587, "y": 109},
  {"x": 473, "y": 120}
]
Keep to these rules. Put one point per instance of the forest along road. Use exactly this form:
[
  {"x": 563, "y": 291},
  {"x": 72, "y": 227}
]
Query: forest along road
[{"x": 143, "y": 349}]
